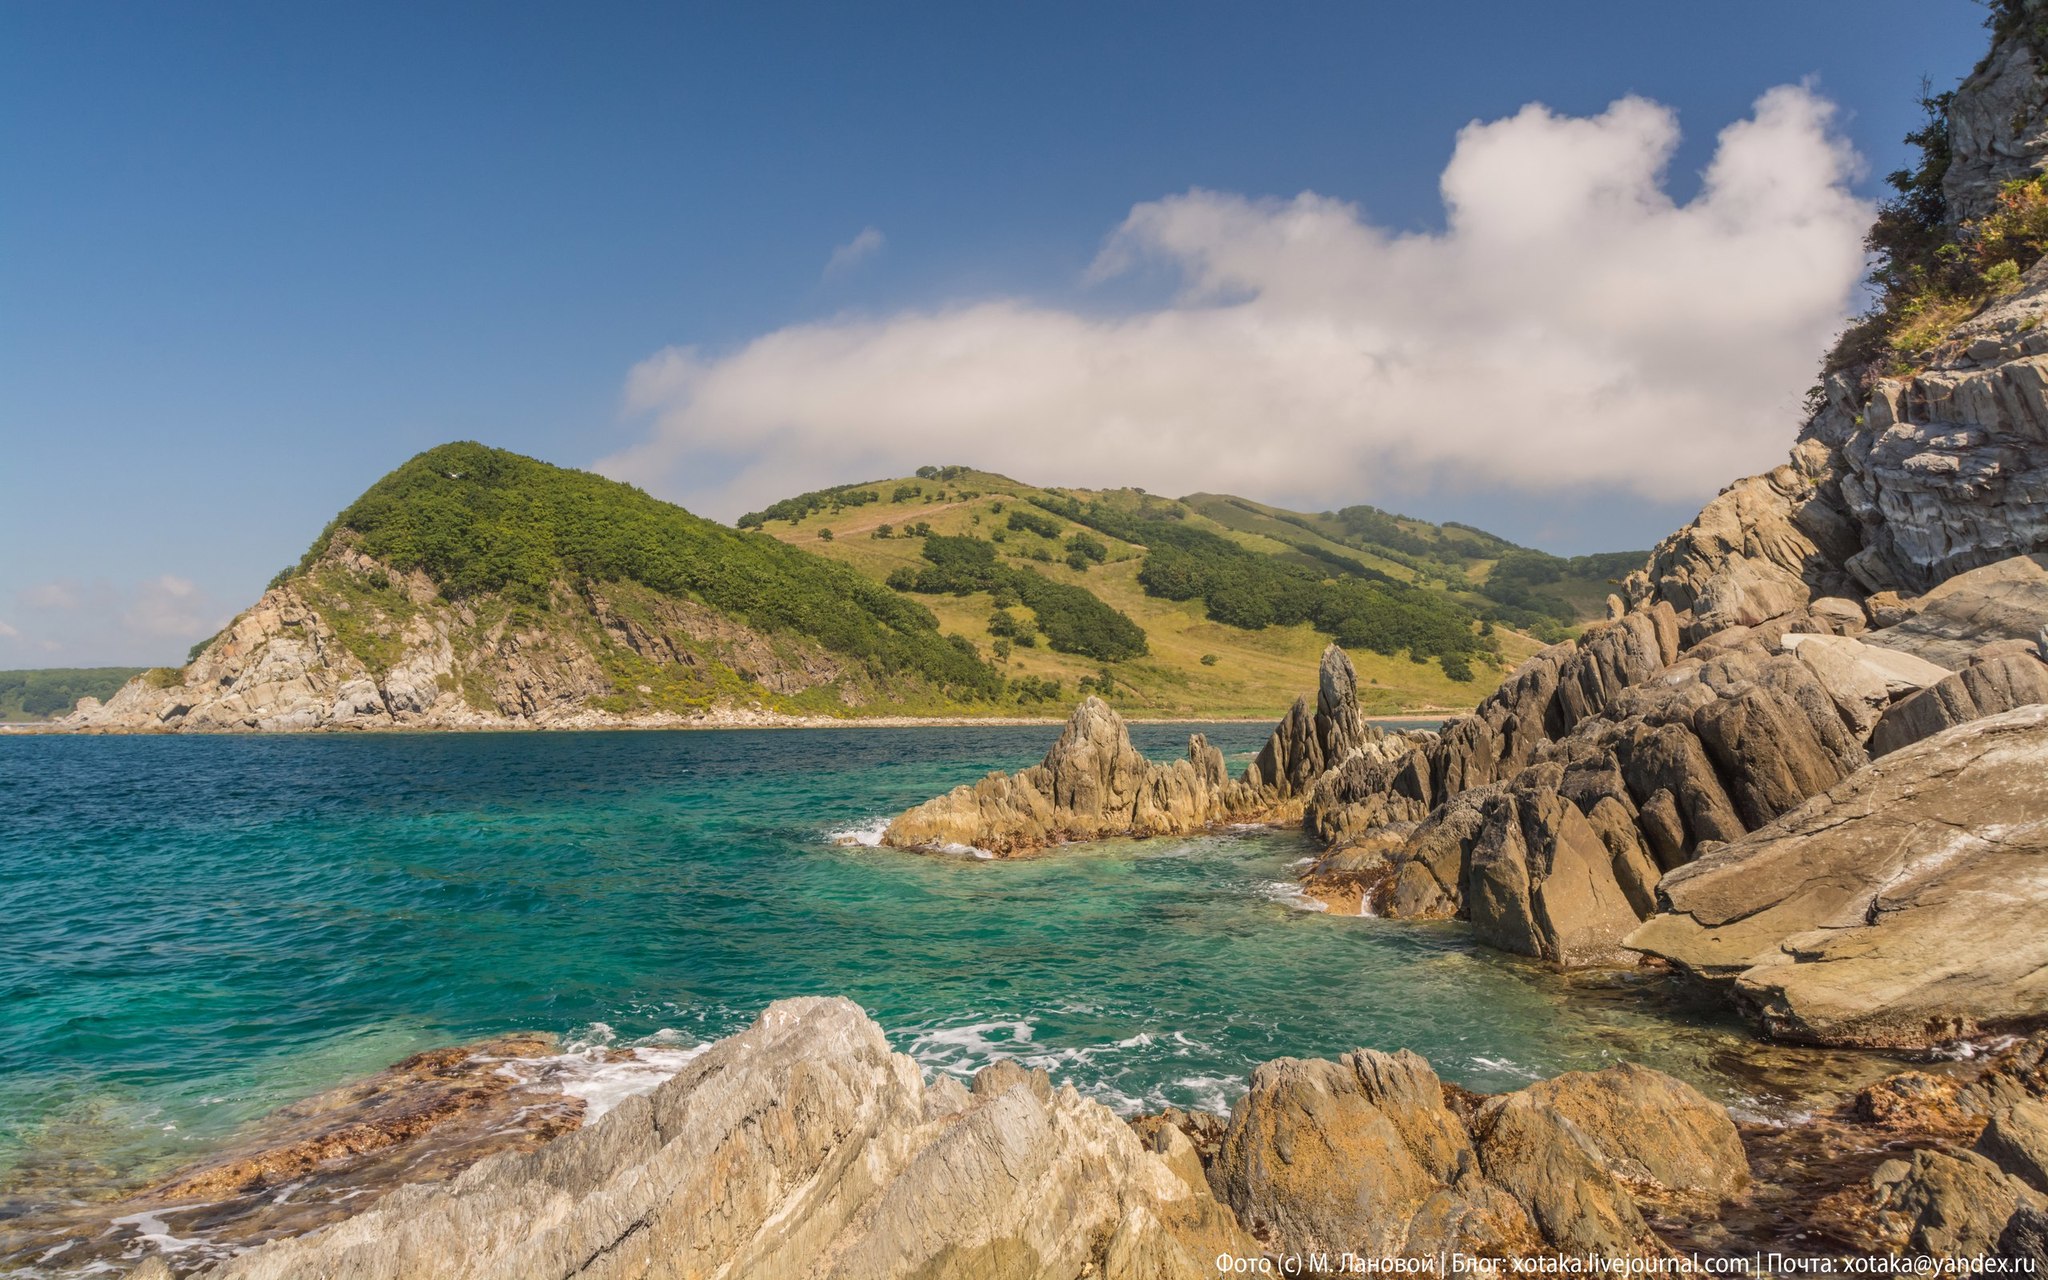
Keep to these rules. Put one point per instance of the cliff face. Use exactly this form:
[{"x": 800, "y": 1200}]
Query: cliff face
[
  {"x": 1897, "y": 483},
  {"x": 1998, "y": 119},
  {"x": 1893, "y": 489},
  {"x": 356, "y": 644}
]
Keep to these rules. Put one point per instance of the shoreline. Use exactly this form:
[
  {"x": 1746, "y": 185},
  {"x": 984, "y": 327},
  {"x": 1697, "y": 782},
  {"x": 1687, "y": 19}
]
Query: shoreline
[{"x": 750, "y": 720}]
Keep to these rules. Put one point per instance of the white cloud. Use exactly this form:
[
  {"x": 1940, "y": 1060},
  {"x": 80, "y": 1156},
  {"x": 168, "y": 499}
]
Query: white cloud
[
  {"x": 101, "y": 623},
  {"x": 1572, "y": 325},
  {"x": 855, "y": 251}
]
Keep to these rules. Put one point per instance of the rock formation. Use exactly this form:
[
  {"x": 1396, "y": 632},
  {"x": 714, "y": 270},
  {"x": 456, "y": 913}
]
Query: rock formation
[
  {"x": 1894, "y": 487},
  {"x": 801, "y": 1147},
  {"x": 1906, "y": 906},
  {"x": 1094, "y": 784}
]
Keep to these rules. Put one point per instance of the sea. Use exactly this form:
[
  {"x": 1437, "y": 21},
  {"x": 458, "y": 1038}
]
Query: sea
[{"x": 196, "y": 930}]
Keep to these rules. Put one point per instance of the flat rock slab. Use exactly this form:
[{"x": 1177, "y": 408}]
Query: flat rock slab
[
  {"x": 2003, "y": 601},
  {"x": 1905, "y": 907}
]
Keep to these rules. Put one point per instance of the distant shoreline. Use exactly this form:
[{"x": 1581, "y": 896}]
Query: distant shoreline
[{"x": 751, "y": 720}]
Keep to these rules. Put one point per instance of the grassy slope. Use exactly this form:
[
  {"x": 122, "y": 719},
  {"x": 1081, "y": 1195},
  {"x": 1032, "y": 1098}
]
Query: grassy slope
[{"x": 1257, "y": 673}]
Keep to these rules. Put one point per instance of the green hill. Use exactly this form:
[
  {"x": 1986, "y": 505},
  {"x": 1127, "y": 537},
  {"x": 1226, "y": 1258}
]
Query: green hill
[
  {"x": 43, "y": 692},
  {"x": 1233, "y": 599},
  {"x": 475, "y": 588},
  {"x": 473, "y": 582}
]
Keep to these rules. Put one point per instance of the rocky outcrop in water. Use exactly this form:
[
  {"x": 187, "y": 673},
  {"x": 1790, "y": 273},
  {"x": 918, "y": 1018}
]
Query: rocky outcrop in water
[
  {"x": 1907, "y": 906},
  {"x": 801, "y": 1147},
  {"x": 1094, "y": 784}
]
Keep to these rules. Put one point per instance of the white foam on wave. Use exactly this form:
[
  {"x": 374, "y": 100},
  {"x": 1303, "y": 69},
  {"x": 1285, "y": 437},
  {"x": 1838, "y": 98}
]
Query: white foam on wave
[
  {"x": 596, "y": 1068},
  {"x": 1506, "y": 1068},
  {"x": 1291, "y": 895},
  {"x": 1967, "y": 1050},
  {"x": 867, "y": 835},
  {"x": 1102, "y": 1071},
  {"x": 150, "y": 1228}
]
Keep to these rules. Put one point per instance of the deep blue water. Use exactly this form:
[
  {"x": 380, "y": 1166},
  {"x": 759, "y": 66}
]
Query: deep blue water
[{"x": 195, "y": 930}]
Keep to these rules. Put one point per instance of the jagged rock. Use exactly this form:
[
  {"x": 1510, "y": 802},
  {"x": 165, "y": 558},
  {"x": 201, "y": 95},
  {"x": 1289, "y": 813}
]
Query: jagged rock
[
  {"x": 1905, "y": 907},
  {"x": 1559, "y": 1177},
  {"x": 2025, "y": 1238},
  {"x": 1997, "y": 129},
  {"x": 799, "y": 1148},
  {"x": 1306, "y": 744},
  {"x": 1996, "y": 683},
  {"x": 1561, "y": 857},
  {"x": 1541, "y": 882},
  {"x": 1094, "y": 783}
]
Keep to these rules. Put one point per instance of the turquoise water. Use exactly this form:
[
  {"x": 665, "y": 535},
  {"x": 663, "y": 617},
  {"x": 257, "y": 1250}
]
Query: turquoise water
[{"x": 196, "y": 930}]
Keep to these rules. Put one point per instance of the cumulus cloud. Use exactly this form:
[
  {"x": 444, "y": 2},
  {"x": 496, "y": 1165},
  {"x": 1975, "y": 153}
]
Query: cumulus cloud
[
  {"x": 1573, "y": 325},
  {"x": 8, "y": 632},
  {"x": 855, "y": 251}
]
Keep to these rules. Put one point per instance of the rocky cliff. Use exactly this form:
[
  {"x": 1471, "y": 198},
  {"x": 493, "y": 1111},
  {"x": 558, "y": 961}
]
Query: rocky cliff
[{"x": 353, "y": 643}]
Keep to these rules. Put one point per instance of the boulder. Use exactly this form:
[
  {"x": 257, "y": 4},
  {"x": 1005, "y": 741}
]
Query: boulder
[
  {"x": 1905, "y": 907},
  {"x": 1364, "y": 1154},
  {"x": 1862, "y": 679},
  {"x": 1651, "y": 1130},
  {"x": 799, "y": 1148},
  {"x": 1359, "y": 1154}
]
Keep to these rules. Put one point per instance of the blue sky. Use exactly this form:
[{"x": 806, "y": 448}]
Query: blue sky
[{"x": 253, "y": 256}]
